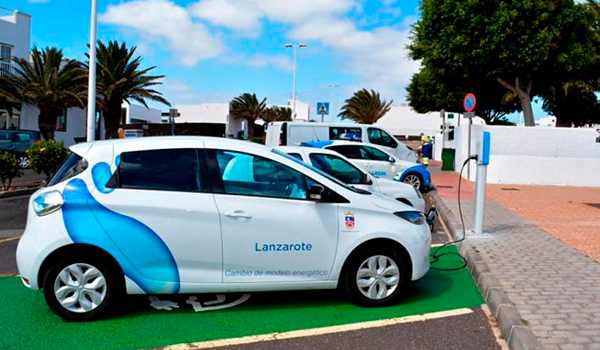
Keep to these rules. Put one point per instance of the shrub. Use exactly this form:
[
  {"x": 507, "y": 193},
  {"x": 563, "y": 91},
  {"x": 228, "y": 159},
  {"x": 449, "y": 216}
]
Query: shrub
[
  {"x": 9, "y": 169},
  {"x": 46, "y": 156}
]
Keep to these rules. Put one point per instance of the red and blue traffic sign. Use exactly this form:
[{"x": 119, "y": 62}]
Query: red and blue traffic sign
[{"x": 469, "y": 103}]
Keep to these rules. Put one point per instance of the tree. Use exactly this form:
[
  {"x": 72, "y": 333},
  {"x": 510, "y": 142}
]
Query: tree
[
  {"x": 365, "y": 107},
  {"x": 247, "y": 107},
  {"x": 50, "y": 82},
  {"x": 430, "y": 92},
  {"x": 573, "y": 104},
  {"x": 121, "y": 78},
  {"x": 277, "y": 114},
  {"x": 514, "y": 43}
]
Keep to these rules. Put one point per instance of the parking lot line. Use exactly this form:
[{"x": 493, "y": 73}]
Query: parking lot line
[
  {"x": 318, "y": 331},
  {"x": 10, "y": 239}
]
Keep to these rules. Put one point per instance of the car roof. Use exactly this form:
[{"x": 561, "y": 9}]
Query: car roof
[
  {"x": 308, "y": 150},
  {"x": 82, "y": 148}
]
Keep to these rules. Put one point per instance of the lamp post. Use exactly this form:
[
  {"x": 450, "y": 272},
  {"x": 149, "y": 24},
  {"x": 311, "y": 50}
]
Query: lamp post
[
  {"x": 331, "y": 108},
  {"x": 295, "y": 48},
  {"x": 91, "y": 110}
]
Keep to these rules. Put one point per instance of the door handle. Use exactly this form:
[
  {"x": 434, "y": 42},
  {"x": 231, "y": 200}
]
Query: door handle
[{"x": 238, "y": 214}]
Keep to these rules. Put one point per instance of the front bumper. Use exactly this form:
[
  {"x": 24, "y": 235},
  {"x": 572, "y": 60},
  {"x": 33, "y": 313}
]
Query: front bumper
[{"x": 421, "y": 255}]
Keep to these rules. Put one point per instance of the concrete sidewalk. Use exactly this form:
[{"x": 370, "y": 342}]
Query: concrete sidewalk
[{"x": 532, "y": 281}]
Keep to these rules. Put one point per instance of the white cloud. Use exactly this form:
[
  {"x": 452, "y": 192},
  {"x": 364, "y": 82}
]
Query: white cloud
[
  {"x": 191, "y": 41},
  {"x": 237, "y": 15}
]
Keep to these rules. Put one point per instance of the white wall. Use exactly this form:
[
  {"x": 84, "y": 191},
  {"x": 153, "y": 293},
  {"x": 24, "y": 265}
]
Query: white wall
[
  {"x": 76, "y": 123},
  {"x": 545, "y": 156},
  {"x": 203, "y": 113},
  {"x": 15, "y": 30},
  {"x": 150, "y": 115},
  {"x": 404, "y": 121}
]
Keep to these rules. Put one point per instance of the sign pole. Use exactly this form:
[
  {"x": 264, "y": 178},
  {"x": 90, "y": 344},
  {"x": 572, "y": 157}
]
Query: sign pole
[{"x": 91, "y": 108}]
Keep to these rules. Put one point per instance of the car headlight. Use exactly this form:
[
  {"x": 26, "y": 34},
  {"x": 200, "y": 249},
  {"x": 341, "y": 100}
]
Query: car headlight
[
  {"x": 47, "y": 203},
  {"x": 414, "y": 217}
]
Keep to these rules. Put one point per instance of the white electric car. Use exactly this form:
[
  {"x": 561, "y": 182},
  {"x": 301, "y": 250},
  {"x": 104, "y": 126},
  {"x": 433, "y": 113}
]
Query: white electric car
[
  {"x": 378, "y": 162},
  {"x": 165, "y": 215},
  {"x": 338, "y": 166}
]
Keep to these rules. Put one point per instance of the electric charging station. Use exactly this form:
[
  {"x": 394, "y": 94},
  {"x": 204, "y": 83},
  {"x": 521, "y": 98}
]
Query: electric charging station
[{"x": 483, "y": 160}]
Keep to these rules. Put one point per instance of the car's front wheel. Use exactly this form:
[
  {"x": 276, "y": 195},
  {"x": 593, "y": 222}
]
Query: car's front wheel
[
  {"x": 376, "y": 276},
  {"x": 79, "y": 288}
]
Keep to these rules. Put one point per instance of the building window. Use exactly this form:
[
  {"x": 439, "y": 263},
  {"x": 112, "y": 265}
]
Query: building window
[
  {"x": 5, "y": 57},
  {"x": 61, "y": 122}
]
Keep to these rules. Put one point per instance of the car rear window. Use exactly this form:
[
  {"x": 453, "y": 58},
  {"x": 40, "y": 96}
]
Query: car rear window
[{"x": 72, "y": 166}]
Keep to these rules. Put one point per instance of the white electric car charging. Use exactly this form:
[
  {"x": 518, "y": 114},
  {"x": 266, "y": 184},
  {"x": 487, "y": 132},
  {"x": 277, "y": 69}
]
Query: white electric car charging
[
  {"x": 166, "y": 215},
  {"x": 338, "y": 166},
  {"x": 378, "y": 162}
]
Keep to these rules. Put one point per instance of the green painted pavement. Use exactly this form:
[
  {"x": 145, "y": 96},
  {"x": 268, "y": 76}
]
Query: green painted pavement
[{"x": 27, "y": 323}]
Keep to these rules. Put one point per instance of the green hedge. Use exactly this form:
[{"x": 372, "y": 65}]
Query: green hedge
[
  {"x": 9, "y": 169},
  {"x": 46, "y": 156}
]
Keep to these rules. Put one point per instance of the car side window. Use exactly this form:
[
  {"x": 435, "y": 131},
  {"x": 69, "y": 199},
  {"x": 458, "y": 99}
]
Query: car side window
[
  {"x": 22, "y": 137},
  {"x": 345, "y": 133},
  {"x": 382, "y": 138},
  {"x": 160, "y": 170},
  {"x": 246, "y": 174},
  {"x": 347, "y": 151},
  {"x": 297, "y": 156},
  {"x": 4, "y": 137},
  {"x": 371, "y": 153},
  {"x": 337, "y": 167}
]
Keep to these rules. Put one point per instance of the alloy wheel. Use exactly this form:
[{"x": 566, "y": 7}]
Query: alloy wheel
[
  {"x": 23, "y": 162},
  {"x": 413, "y": 180}
]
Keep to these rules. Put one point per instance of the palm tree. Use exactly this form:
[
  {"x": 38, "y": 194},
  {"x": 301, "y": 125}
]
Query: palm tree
[
  {"x": 120, "y": 78},
  {"x": 247, "y": 107},
  {"x": 8, "y": 96},
  {"x": 277, "y": 114},
  {"x": 365, "y": 107},
  {"x": 50, "y": 82}
]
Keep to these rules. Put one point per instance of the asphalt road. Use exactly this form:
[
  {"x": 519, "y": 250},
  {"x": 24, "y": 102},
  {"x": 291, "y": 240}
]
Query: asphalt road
[
  {"x": 13, "y": 213},
  {"x": 465, "y": 332},
  {"x": 29, "y": 176}
]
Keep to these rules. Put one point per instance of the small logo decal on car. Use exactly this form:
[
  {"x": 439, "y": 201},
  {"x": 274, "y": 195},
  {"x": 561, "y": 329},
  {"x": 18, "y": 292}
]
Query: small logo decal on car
[{"x": 349, "y": 221}]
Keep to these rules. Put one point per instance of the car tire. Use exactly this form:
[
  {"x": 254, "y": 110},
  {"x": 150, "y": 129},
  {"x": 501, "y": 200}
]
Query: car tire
[
  {"x": 23, "y": 162},
  {"x": 414, "y": 180},
  {"x": 91, "y": 287},
  {"x": 376, "y": 276}
]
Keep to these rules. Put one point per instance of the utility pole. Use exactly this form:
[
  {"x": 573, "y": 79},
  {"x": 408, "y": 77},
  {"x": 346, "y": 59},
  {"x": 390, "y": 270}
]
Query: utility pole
[
  {"x": 91, "y": 110},
  {"x": 295, "y": 48},
  {"x": 331, "y": 108}
]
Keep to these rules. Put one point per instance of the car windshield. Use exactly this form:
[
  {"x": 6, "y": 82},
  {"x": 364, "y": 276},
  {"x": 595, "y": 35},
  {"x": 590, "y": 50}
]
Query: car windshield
[{"x": 320, "y": 172}]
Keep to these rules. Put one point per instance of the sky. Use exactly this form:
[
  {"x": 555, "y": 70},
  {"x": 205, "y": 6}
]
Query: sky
[{"x": 214, "y": 50}]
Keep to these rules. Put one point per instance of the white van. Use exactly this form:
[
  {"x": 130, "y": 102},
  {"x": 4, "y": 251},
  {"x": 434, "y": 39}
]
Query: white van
[{"x": 294, "y": 133}]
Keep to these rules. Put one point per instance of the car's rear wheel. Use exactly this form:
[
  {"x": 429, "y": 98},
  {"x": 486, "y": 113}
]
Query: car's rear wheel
[
  {"x": 23, "y": 162},
  {"x": 376, "y": 276},
  {"x": 414, "y": 180},
  {"x": 80, "y": 288}
]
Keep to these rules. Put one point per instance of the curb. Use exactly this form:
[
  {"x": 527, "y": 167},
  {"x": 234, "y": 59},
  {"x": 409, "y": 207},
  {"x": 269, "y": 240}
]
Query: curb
[
  {"x": 16, "y": 193},
  {"x": 517, "y": 334}
]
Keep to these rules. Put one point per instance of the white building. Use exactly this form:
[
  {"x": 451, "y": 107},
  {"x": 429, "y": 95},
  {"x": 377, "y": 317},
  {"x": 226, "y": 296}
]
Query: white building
[{"x": 15, "y": 36}]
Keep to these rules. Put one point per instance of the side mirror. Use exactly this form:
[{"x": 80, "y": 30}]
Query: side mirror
[
  {"x": 391, "y": 160},
  {"x": 431, "y": 217},
  {"x": 367, "y": 179},
  {"x": 315, "y": 192}
]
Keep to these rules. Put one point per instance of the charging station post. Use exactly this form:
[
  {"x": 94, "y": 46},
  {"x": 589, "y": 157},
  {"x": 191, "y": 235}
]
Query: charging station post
[{"x": 483, "y": 160}]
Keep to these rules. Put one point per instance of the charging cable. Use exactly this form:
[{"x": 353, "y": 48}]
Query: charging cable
[{"x": 435, "y": 257}]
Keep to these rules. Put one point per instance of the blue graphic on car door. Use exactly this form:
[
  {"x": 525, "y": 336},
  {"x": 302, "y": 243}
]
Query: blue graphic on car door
[{"x": 141, "y": 253}]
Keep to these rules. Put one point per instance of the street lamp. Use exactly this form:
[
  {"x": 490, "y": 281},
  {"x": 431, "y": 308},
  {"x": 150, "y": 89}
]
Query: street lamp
[
  {"x": 332, "y": 86},
  {"x": 91, "y": 110},
  {"x": 295, "y": 47}
]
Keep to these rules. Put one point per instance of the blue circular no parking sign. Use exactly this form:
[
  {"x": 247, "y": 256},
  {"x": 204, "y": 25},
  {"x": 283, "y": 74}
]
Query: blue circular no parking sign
[{"x": 469, "y": 103}]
